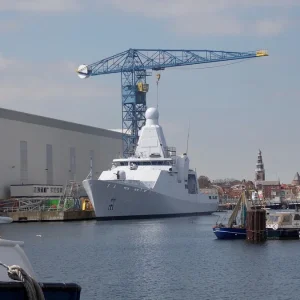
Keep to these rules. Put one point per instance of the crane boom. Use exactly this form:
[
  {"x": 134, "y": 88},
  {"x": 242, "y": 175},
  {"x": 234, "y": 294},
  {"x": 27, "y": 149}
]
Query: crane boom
[
  {"x": 146, "y": 59},
  {"x": 133, "y": 65}
]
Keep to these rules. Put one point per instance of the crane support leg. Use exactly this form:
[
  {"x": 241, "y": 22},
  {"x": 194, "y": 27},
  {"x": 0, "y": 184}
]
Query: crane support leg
[{"x": 133, "y": 108}]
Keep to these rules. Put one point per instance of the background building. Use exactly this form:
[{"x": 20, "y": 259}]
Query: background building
[
  {"x": 260, "y": 169},
  {"x": 40, "y": 150},
  {"x": 269, "y": 189},
  {"x": 296, "y": 180},
  {"x": 266, "y": 189}
]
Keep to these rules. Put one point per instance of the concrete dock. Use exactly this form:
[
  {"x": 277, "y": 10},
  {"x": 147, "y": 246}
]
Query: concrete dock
[{"x": 50, "y": 216}]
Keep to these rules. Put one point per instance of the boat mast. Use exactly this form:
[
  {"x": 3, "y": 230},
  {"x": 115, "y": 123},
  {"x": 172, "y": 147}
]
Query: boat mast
[{"x": 235, "y": 212}]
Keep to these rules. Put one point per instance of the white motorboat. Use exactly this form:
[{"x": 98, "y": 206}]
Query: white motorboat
[
  {"x": 5, "y": 220},
  {"x": 12, "y": 256}
]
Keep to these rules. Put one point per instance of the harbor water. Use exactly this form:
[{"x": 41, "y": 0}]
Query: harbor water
[{"x": 178, "y": 258}]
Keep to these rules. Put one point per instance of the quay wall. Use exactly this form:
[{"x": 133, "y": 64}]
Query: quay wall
[{"x": 50, "y": 216}]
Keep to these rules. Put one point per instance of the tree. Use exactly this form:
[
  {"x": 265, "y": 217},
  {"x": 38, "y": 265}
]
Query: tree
[{"x": 204, "y": 182}]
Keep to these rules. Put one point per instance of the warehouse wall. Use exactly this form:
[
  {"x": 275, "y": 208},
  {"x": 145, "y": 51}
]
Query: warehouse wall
[{"x": 38, "y": 154}]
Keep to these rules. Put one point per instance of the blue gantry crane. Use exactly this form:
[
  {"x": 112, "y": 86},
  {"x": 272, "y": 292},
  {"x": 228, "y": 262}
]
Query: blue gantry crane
[{"x": 134, "y": 66}]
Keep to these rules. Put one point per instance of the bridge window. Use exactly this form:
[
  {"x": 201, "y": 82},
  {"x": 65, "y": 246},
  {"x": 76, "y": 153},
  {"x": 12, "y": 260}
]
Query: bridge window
[
  {"x": 146, "y": 163},
  {"x": 192, "y": 184}
]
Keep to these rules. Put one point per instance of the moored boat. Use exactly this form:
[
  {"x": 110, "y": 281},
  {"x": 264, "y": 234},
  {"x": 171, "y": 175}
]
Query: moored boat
[
  {"x": 13, "y": 263},
  {"x": 5, "y": 220},
  {"x": 236, "y": 227},
  {"x": 152, "y": 183},
  {"x": 283, "y": 225},
  {"x": 229, "y": 233}
]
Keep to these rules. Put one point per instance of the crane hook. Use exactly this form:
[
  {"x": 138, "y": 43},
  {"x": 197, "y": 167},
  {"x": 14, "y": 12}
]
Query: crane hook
[
  {"x": 157, "y": 80},
  {"x": 157, "y": 77}
]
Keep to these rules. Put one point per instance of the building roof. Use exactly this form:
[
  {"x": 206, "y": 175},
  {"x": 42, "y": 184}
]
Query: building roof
[
  {"x": 55, "y": 123},
  {"x": 276, "y": 182},
  {"x": 296, "y": 179}
]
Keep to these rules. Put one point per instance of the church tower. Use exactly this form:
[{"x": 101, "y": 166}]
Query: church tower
[{"x": 259, "y": 170}]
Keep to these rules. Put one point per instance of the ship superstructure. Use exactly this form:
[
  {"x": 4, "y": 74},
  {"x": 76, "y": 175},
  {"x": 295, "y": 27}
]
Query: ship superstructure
[{"x": 154, "y": 182}]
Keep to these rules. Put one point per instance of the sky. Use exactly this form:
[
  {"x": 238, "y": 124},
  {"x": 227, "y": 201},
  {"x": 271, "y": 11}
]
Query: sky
[{"x": 233, "y": 110}]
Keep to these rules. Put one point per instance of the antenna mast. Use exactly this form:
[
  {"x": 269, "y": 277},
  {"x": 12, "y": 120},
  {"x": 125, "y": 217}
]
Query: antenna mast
[
  {"x": 188, "y": 137},
  {"x": 91, "y": 167}
]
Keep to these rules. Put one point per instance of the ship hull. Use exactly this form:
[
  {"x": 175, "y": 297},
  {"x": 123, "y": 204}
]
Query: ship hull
[
  {"x": 115, "y": 200},
  {"x": 226, "y": 233}
]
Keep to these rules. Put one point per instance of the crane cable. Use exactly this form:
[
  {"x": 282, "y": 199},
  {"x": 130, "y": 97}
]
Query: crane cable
[
  {"x": 183, "y": 68},
  {"x": 157, "y": 80},
  {"x": 193, "y": 68}
]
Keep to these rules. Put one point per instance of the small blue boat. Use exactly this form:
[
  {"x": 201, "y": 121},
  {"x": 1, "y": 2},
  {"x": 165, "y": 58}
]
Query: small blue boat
[
  {"x": 232, "y": 230},
  {"x": 227, "y": 233}
]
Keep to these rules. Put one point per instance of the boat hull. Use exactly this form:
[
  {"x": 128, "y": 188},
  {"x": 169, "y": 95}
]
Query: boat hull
[
  {"x": 283, "y": 234},
  {"x": 226, "y": 233},
  {"x": 5, "y": 220},
  {"x": 115, "y": 200}
]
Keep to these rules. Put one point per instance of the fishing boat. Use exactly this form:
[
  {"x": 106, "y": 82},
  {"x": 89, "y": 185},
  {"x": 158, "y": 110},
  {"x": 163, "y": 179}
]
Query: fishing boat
[{"x": 236, "y": 225}]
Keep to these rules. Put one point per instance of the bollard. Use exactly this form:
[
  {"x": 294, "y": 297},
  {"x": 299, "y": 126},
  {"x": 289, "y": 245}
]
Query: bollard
[{"x": 256, "y": 225}]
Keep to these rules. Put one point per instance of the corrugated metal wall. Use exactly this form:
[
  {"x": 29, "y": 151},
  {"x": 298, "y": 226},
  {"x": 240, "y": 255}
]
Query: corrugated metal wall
[
  {"x": 37, "y": 154},
  {"x": 72, "y": 163},
  {"x": 23, "y": 162},
  {"x": 49, "y": 164}
]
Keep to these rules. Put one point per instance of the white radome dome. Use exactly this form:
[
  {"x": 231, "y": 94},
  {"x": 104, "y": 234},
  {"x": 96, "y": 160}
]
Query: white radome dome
[{"x": 152, "y": 113}]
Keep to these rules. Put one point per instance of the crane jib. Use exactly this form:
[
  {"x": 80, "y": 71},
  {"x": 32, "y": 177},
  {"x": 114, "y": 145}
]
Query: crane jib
[{"x": 133, "y": 63}]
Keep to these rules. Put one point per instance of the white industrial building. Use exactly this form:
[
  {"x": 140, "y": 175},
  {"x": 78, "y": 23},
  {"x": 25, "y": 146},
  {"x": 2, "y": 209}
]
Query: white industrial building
[{"x": 45, "y": 151}]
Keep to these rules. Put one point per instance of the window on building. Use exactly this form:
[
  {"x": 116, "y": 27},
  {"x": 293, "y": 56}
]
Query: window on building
[{"x": 35, "y": 189}]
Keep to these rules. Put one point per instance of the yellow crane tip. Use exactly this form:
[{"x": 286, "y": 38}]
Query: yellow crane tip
[{"x": 262, "y": 53}]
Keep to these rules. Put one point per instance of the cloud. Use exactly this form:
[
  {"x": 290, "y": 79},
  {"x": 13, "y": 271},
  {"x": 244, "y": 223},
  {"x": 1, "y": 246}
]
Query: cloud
[
  {"x": 38, "y": 82},
  {"x": 40, "y": 5},
  {"x": 9, "y": 25},
  {"x": 204, "y": 17},
  {"x": 270, "y": 27}
]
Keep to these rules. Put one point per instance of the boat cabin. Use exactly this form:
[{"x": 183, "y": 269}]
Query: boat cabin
[{"x": 289, "y": 219}]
